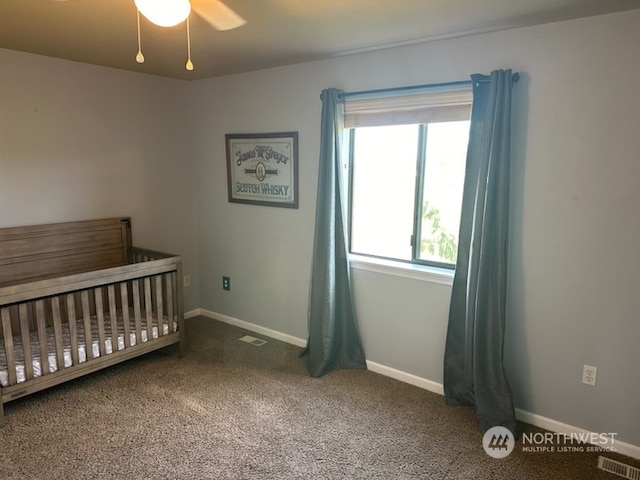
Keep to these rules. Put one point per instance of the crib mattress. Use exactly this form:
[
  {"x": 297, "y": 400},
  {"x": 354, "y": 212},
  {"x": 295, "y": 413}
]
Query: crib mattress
[{"x": 52, "y": 360}]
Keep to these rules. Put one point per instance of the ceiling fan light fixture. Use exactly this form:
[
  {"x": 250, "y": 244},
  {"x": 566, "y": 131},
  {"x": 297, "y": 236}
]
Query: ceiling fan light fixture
[{"x": 164, "y": 13}]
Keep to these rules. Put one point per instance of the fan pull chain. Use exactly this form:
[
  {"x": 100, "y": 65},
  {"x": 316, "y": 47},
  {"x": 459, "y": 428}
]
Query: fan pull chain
[
  {"x": 189, "y": 65},
  {"x": 139, "y": 56}
]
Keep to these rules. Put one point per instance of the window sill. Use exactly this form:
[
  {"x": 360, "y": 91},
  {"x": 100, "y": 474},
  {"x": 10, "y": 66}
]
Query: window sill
[{"x": 424, "y": 273}]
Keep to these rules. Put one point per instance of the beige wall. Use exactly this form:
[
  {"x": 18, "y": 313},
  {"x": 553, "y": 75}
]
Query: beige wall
[{"x": 81, "y": 142}]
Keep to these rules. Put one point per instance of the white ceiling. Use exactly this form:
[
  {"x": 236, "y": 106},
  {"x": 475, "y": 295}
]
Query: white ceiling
[{"x": 277, "y": 32}]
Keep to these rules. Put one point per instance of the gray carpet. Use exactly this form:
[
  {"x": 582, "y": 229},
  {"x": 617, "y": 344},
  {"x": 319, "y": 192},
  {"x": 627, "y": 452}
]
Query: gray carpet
[{"x": 231, "y": 410}]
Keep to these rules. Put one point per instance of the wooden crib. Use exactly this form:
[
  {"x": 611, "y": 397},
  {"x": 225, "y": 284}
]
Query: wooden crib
[{"x": 76, "y": 297}]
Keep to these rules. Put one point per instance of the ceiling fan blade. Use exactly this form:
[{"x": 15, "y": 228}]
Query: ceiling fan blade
[{"x": 217, "y": 14}]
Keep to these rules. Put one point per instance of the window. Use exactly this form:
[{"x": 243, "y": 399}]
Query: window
[{"x": 408, "y": 155}]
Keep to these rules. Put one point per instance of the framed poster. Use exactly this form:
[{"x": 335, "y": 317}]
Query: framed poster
[{"x": 262, "y": 168}]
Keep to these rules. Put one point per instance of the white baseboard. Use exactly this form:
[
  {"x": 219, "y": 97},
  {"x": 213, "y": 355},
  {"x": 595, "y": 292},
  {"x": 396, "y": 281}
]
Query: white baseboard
[
  {"x": 193, "y": 313},
  {"x": 268, "y": 332},
  {"x": 405, "y": 377},
  {"x": 623, "y": 448}
]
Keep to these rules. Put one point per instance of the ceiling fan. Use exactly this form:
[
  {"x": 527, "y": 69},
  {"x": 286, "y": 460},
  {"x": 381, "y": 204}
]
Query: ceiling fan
[{"x": 168, "y": 13}]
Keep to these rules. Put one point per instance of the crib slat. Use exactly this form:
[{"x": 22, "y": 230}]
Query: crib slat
[
  {"x": 57, "y": 331},
  {"x": 169, "y": 285},
  {"x": 124, "y": 297},
  {"x": 73, "y": 332},
  {"x": 136, "y": 310},
  {"x": 148, "y": 307},
  {"x": 114, "y": 318},
  {"x": 159, "y": 301},
  {"x": 8, "y": 345},
  {"x": 26, "y": 340},
  {"x": 42, "y": 337},
  {"x": 86, "y": 317},
  {"x": 97, "y": 293}
]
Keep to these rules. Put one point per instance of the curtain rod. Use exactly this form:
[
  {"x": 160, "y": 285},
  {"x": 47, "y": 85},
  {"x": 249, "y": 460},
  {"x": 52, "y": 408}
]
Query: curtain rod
[{"x": 514, "y": 78}]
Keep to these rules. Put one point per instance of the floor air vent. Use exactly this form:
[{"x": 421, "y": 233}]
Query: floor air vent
[
  {"x": 618, "y": 468},
  {"x": 258, "y": 342}
]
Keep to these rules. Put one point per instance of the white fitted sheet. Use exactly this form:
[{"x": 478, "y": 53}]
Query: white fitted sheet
[{"x": 52, "y": 360}]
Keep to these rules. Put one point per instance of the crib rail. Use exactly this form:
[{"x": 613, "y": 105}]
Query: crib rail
[{"x": 135, "y": 300}]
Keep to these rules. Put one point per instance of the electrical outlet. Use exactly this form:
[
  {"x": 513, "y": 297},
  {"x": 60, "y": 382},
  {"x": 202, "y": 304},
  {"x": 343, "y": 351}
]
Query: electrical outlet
[
  {"x": 589, "y": 374},
  {"x": 226, "y": 283},
  {"x": 186, "y": 281}
]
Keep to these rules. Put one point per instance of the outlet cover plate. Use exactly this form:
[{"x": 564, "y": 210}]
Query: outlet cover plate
[{"x": 589, "y": 375}]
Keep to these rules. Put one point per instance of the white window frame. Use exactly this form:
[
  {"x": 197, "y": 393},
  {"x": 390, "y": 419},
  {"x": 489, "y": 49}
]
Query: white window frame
[{"x": 413, "y": 105}]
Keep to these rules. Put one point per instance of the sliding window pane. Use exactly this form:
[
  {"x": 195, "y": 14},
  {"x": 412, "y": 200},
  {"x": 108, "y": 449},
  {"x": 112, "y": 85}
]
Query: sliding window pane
[
  {"x": 383, "y": 190},
  {"x": 446, "y": 152}
]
